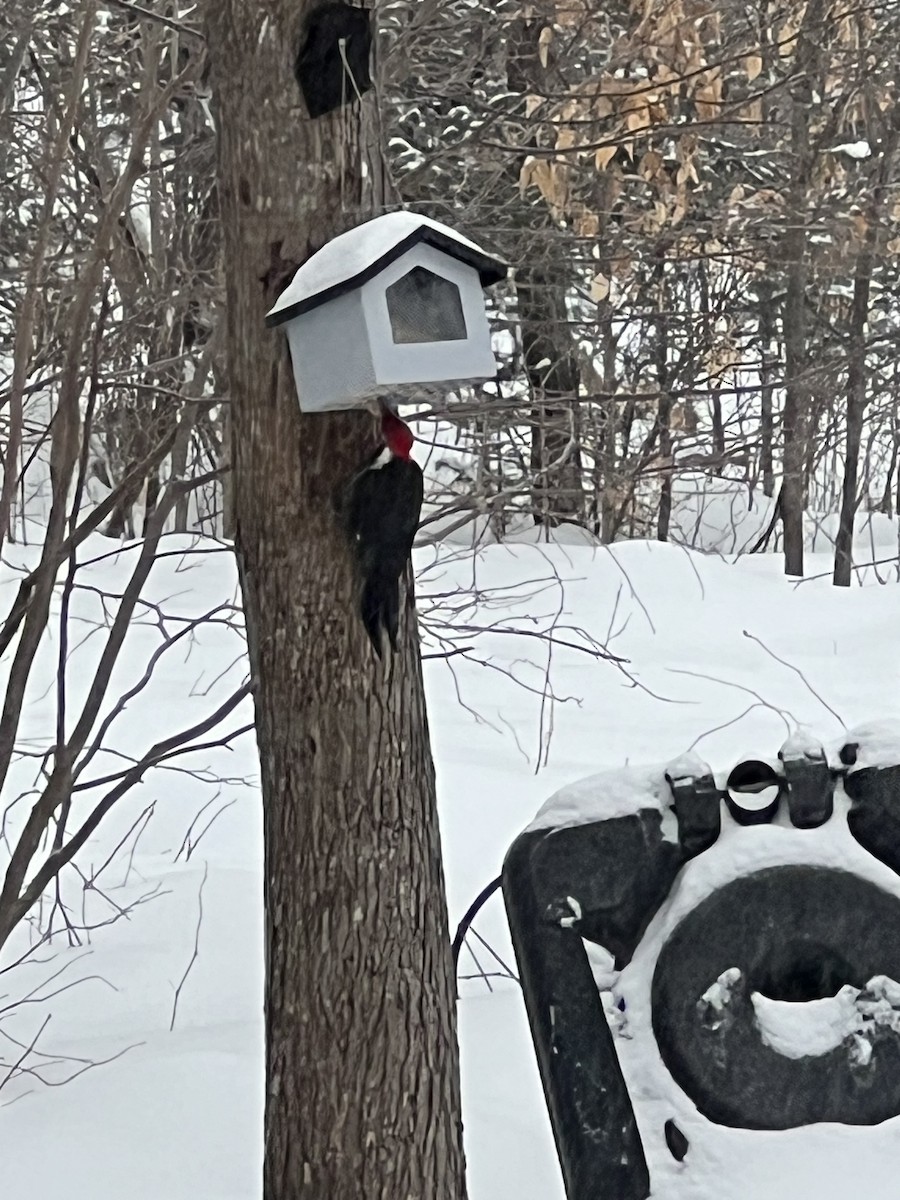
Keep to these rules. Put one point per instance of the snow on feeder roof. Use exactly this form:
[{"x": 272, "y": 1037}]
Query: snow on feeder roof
[
  {"x": 354, "y": 257},
  {"x": 397, "y": 300}
]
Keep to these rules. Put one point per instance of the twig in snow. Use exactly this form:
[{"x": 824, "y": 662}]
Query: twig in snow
[
  {"x": 189, "y": 844},
  {"x": 790, "y": 666},
  {"x": 17, "y": 1065},
  {"x": 196, "y": 951}
]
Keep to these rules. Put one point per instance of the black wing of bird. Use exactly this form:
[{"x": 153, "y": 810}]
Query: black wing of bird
[{"x": 382, "y": 518}]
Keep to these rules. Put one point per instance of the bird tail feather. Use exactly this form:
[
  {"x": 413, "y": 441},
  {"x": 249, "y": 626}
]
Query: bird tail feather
[
  {"x": 390, "y": 613},
  {"x": 371, "y": 607},
  {"x": 381, "y": 609},
  {"x": 380, "y": 606}
]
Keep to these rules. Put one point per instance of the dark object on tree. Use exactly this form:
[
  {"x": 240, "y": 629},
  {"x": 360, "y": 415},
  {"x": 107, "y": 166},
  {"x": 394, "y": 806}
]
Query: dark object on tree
[
  {"x": 675, "y": 1140},
  {"x": 382, "y": 512},
  {"x": 332, "y": 66},
  {"x": 793, "y": 933}
]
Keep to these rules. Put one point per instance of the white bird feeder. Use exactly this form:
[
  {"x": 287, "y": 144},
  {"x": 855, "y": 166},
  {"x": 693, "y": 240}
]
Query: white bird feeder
[{"x": 397, "y": 300}]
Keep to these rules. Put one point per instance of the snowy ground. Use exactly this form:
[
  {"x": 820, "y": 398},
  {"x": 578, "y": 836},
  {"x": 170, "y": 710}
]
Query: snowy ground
[{"x": 725, "y": 659}]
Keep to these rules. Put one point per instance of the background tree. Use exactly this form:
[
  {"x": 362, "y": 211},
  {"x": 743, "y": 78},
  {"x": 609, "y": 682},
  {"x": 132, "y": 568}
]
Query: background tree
[
  {"x": 362, "y": 1094},
  {"x": 690, "y": 186},
  {"x": 58, "y": 782}
]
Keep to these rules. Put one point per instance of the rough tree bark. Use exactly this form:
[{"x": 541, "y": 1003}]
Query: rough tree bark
[
  {"x": 664, "y": 403},
  {"x": 549, "y": 359},
  {"x": 857, "y": 375},
  {"x": 548, "y": 348},
  {"x": 795, "y": 417},
  {"x": 856, "y": 408},
  {"x": 766, "y": 413},
  {"x": 886, "y": 504},
  {"x": 362, "y": 1095}
]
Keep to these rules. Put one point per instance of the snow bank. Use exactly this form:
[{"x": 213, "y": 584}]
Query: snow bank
[
  {"x": 727, "y": 517},
  {"x": 725, "y": 660}
]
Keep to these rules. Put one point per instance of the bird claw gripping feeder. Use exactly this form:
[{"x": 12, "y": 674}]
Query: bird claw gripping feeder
[
  {"x": 398, "y": 300},
  {"x": 711, "y": 971}
]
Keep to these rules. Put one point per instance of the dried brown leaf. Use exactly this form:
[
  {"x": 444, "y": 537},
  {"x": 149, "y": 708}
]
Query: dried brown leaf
[
  {"x": 603, "y": 156},
  {"x": 529, "y": 176},
  {"x": 651, "y": 164},
  {"x": 599, "y": 287},
  {"x": 587, "y": 224},
  {"x": 753, "y": 65},
  {"x": 547, "y": 35}
]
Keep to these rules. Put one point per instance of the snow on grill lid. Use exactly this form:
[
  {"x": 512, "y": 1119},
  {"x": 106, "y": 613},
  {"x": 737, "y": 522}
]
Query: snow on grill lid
[
  {"x": 354, "y": 257},
  {"x": 877, "y": 744},
  {"x": 616, "y": 792}
]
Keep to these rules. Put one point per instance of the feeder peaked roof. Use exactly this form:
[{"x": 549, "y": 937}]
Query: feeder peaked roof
[{"x": 355, "y": 257}]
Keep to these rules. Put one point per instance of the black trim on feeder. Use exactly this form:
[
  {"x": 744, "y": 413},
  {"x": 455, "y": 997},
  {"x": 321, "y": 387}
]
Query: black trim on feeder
[{"x": 490, "y": 271}]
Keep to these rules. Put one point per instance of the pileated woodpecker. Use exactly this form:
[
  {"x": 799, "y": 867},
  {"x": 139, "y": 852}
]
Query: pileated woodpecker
[{"x": 383, "y": 503}]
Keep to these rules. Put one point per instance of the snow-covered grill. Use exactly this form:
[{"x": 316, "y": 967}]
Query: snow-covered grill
[{"x": 708, "y": 960}]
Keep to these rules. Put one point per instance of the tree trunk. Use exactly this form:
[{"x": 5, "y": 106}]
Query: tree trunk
[
  {"x": 664, "y": 404},
  {"x": 548, "y": 347},
  {"x": 887, "y": 496},
  {"x": 795, "y": 418},
  {"x": 796, "y": 404},
  {"x": 362, "y": 1090},
  {"x": 549, "y": 356},
  {"x": 856, "y": 367},
  {"x": 856, "y": 408},
  {"x": 766, "y": 415}
]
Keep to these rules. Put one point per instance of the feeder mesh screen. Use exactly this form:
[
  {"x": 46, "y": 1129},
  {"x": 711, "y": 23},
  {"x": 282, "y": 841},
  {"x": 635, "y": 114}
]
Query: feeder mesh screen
[{"x": 423, "y": 307}]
